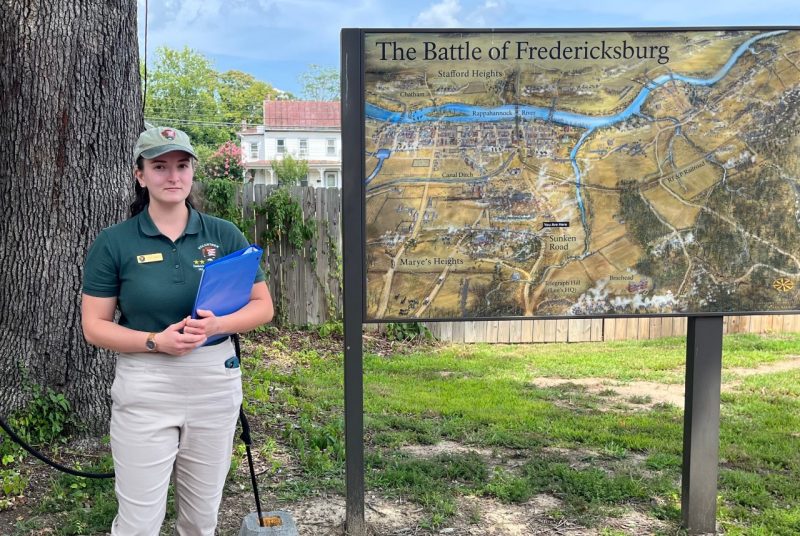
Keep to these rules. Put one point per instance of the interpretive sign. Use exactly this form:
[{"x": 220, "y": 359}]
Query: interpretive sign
[{"x": 580, "y": 173}]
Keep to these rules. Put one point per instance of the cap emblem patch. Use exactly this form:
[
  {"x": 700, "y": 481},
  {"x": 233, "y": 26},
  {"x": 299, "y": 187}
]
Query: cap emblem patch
[{"x": 168, "y": 133}]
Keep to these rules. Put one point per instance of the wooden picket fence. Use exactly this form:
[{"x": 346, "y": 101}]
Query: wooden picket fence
[
  {"x": 597, "y": 329},
  {"x": 307, "y": 284}
]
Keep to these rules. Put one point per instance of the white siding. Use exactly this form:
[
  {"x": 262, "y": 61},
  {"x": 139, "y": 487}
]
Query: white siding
[{"x": 321, "y": 164}]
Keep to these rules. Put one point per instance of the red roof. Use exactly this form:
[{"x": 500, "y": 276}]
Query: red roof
[{"x": 301, "y": 114}]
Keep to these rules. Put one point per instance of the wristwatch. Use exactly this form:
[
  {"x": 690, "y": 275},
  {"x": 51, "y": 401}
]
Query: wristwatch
[{"x": 150, "y": 343}]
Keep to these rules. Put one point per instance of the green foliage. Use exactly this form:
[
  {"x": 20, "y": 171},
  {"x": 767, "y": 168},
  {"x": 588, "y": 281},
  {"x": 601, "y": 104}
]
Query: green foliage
[
  {"x": 290, "y": 171},
  {"x": 184, "y": 90},
  {"x": 220, "y": 176},
  {"x": 431, "y": 483},
  {"x": 285, "y": 220},
  {"x": 237, "y": 457},
  {"x": 589, "y": 485},
  {"x": 42, "y": 421},
  {"x": 508, "y": 487},
  {"x": 267, "y": 329},
  {"x": 89, "y": 504},
  {"x": 219, "y": 199},
  {"x": 181, "y": 86},
  {"x": 241, "y": 97},
  {"x": 612, "y": 532},
  {"x": 13, "y": 482},
  {"x": 331, "y": 327},
  {"x": 407, "y": 331},
  {"x": 45, "y": 417},
  {"x": 204, "y": 154},
  {"x": 660, "y": 461},
  {"x": 320, "y": 83},
  {"x": 320, "y": 448},
  {"x": 335, "y": 273}
]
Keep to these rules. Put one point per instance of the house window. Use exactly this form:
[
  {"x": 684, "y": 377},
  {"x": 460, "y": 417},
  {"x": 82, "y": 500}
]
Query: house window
[
  {"x": 330, "y": 179},
  {"x": 281, "y": 146},
  {"x": 331, "y": 147},
  {"x": 303, "y": 148},
  {"x": 304, "y": 181},
  {"x": 254, "y": 151}
]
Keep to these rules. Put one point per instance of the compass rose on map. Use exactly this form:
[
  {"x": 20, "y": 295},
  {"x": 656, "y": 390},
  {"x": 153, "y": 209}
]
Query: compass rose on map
[{"x": 783, "y": 284}]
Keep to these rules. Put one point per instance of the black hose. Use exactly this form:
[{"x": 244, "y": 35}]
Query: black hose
[
  {"x": 245, "y": 437},
  {"x": 47, "y": 460},
  {"x": 247, "y": 440}
]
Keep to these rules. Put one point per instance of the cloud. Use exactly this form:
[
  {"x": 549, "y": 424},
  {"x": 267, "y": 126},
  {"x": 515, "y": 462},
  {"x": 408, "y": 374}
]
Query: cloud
[
  {"x": 290, "y": 34},
  {"x": 441, "y": 15},
  {"x": 615, "y": 13},
  {"x": 452, "y": 14},
  {"x": 491, "y": 13},
  {"x": 191, "y": 10},
  {"x": 273, "y": 30}
]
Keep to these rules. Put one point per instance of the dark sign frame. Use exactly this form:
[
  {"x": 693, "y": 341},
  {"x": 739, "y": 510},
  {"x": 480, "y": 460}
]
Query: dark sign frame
[
  {"x": 354, "y": 100},
  {"x": 704, "y": 329}
]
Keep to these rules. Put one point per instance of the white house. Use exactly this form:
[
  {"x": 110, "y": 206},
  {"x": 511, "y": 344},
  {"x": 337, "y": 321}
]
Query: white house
[{"x": 306, "y": 130}]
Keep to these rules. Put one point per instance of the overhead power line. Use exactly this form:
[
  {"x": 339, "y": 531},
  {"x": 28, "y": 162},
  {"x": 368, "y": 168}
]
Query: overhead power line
[
  {"x": 198, "y": 123},
  {"x": 144, "y": 98}
]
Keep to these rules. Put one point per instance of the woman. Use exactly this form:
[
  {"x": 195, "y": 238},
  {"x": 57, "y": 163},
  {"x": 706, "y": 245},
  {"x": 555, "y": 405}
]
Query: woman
[{"x": 175, "y": 401}]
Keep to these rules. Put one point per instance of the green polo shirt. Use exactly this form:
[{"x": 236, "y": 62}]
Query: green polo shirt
[{"x": 154, "y": 279}]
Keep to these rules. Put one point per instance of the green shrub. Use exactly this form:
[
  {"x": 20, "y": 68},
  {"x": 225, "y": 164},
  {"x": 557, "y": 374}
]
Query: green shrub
[{"x": 407, "y": 331}]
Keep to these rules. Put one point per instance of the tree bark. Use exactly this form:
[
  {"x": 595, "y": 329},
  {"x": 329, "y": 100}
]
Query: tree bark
[{"x": 70, "y": 111}]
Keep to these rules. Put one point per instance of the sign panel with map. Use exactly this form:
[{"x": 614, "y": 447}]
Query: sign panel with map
[{"x": 581, "y": 173}]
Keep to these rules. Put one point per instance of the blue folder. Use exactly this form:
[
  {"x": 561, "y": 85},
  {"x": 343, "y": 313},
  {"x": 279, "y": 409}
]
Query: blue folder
[{"x": 226, "y": 284}]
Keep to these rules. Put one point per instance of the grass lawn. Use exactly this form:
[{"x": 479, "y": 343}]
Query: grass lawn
[
  {"x": 516, "y": 426},
  {"x": 597, "y": 458}
]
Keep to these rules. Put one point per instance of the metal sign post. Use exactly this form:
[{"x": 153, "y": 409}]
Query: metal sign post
[
  {"x": 701, "y": 424},
  {"x": 353, "y": 267}
]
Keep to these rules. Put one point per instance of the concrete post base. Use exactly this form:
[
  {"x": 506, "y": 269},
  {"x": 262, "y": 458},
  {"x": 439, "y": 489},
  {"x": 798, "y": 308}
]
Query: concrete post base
[{"x": 250, "y": 526}]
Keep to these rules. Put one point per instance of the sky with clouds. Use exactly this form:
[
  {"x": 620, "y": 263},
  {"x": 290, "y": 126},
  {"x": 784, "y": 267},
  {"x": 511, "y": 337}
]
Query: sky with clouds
[{"x": 276, "y": 40}]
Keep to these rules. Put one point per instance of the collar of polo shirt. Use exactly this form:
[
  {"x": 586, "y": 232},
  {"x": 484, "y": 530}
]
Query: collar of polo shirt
[{"x": 149, "y": 228}]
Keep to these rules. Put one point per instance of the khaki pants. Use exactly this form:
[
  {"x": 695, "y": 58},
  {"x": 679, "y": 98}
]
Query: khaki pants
[{"x": 173, "y": 412}]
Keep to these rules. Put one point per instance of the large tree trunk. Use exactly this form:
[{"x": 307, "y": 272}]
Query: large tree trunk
[{"x": 70, "y": 111}]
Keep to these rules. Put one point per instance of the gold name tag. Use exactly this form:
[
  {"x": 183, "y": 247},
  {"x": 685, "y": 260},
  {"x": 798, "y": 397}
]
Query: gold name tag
[{"x": 152, "y": 257}]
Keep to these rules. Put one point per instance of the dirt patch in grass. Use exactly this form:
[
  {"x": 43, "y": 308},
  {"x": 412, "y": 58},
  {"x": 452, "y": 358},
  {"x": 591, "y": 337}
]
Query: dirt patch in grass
[
  {"x": 324, "y": 516},
  {"x": 643, "y": 395},
  {"x": 576, "y": 458},
  {"x": 483, "y": 516},
  {"x": 494, "y": 457},
  {"x": 635, "y": 522},
  {"x": 444, "y": 447},
  {"x": 785, "y": 365},
  {"x": 612, "y": 392}
]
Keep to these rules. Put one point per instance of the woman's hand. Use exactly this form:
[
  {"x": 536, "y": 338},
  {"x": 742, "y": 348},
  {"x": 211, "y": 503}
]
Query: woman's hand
[
  {"x": 207, "y": 325},
  {"x": 174, "y": 342}
]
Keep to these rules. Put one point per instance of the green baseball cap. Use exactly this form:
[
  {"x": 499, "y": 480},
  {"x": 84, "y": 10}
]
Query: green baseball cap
[{"x": 156, "y": 141}]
